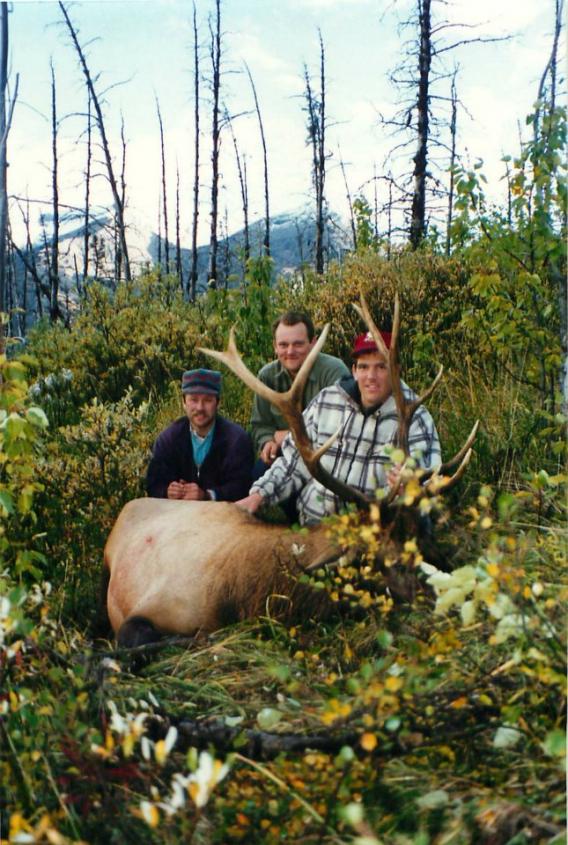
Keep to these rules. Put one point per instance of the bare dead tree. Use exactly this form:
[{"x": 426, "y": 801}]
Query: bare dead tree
[
  {"x": 179, "y": 268},
  {"x": 225, "y": 268},
  {"x": 3, "y": 145},
  {"x": 242, "y": 174},
  {"x": 159, "y": 229},
  {"x": 88, "y": 167},
  {"x": 215, "y": 56},
  {"x": 20, "y": 303},
  {"x": 317, "y": 125},
  {"x": 164, "y": 188},
  {"x": 266, "y": 241},
  {"x": 547, "y": 89},
  {"x": 118, "y": 201},
  {"x": 453, "y": 143},
  {"x": 349, "y": 201},
  {"x": 54, "y": 312},
  {"x": 418, "y": 77},
  {"x": 119, "y": 249},
  {"x": 28, "y": 258},
  {"x": 192, "y": 280},
  {"x": 5, "y": 123},
  {"x": 418, "y": 211},
  {"x": 375, "y": 203}
]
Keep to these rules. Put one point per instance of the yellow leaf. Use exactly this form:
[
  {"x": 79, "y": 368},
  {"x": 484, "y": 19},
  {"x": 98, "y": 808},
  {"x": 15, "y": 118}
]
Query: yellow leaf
[
  {"x": 368, "y": 742},
  {"x": 392, "y": 684},
  {"x": 458, "y": 703},
  {"x": 160, "y": 752}
]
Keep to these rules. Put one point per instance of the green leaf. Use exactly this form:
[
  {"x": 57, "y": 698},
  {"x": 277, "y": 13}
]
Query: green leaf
[
  {"x": 6, "y": 501},
  {"x": 268, "y": 718},
  {"x": 37, "y": 417},
  {"x": 554, "y": 744},
  {"x": 433, "y": 800},
  {"x": 384, "y": 638}
]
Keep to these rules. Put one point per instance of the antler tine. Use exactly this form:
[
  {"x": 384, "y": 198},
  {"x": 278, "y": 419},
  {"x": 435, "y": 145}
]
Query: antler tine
[
  {"x": 365, "y": 314},
  {"x": 391, "y": 355},
  {"x": 445, "y": 482},
  {"x": 232, "y": 359},
  {"x": 459, "y": 456},
  {"x": 296, "y": 392},
  {"x": 289, "y": 404},
  {"x": 412, "y": 406}
]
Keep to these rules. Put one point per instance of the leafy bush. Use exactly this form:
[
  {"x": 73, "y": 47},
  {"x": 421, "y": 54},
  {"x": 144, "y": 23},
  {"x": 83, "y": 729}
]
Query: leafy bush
[{"x": 22, "y": 426}]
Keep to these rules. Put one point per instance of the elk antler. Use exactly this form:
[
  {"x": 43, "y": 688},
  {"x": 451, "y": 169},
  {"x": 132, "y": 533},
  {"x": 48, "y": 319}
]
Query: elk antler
[
  {"x": 405, "y": 408},
  {"x": 462, "y": 457},
  {"x": 290, "y": 406}
]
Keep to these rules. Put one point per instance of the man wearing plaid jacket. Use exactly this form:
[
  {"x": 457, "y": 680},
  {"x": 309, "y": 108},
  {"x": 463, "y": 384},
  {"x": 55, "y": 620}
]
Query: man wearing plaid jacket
[{"x": 362, "y": 408}]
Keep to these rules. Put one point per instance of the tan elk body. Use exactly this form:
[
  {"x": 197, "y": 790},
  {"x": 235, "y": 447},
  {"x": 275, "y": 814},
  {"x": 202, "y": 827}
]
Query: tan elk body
[
  {"x": 179, "y": 567},
  {"x": 189, "y": 566}
]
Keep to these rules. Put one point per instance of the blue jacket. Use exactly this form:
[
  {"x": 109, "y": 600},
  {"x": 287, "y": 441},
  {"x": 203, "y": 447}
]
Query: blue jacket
[{"x": 226, "y": 470}]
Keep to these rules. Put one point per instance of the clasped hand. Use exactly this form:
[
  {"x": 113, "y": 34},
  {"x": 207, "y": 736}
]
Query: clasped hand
[{"x": 186, "y": 490}]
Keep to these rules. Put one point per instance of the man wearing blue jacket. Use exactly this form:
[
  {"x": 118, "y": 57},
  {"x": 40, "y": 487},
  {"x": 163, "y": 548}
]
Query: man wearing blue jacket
[{"x": 201, "y": 455}]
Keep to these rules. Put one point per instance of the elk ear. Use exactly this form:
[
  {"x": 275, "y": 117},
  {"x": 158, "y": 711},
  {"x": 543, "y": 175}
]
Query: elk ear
[{"x": 326, "y": 557}]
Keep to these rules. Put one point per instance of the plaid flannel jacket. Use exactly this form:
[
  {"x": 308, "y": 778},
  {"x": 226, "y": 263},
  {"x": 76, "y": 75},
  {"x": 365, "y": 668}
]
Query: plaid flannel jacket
[{"x": 357, "y": 457}]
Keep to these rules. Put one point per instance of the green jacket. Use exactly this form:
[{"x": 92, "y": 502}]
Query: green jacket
[{"x": 265, "y": 418}]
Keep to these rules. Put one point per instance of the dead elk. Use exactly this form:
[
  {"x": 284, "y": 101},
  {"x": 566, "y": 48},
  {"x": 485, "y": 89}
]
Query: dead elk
[{"x": 178, "y": 567}]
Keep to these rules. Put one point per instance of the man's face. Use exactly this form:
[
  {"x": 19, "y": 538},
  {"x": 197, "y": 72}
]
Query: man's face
[
  {"x": 371, "y": 373},
  {"x": 200, "y": 409},
  {"x": 292, "y": 346}
]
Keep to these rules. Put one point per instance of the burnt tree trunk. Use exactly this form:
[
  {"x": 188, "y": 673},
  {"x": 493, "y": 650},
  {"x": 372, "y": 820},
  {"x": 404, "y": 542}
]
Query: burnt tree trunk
[
  {"x": 453, "y": 133},
  {"x": 4, "y": 128},
  {"x": 164, "y": 190},
  {"x": 87, "y": 189},
  {"x": 418, "y": 212},
  {"x": 349, "y": 202},
  {"x": 215, "y": 54},
  {"x": 54, "y": 312},
  {"x": 316, "y": 135},
  {"x": 192, "y": 280},
  {"x": 179, "y": 268},
  {"x": 321, "y": 159},
  {"x": 266, "y": 240},
  {"x": 242, "y": 174}
]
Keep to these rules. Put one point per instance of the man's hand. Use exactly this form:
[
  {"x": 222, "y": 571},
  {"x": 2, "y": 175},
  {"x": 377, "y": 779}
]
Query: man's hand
[
  {"x": 175, "y": 490},
  {"x": 271, "y": 448},
  {"x": 193, "y": 492},
  {"x": 280, "y": 435},
  {"x": 186, "y": 490},
  {"x": 269, "y": 452},
  {"x": 393, "y": 477},
  {"x": 250, "y": 503}
]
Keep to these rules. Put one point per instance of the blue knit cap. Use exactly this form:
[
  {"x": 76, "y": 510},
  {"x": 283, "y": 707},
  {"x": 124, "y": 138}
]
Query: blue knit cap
[{"x": 201, "y": 381}]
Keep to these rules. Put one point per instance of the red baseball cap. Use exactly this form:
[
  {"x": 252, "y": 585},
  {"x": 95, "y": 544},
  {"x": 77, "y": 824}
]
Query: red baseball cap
[{"x": 365, "y": 343}]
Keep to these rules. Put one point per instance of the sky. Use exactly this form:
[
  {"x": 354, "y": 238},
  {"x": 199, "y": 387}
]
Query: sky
[{"x": 140, "y": 50}]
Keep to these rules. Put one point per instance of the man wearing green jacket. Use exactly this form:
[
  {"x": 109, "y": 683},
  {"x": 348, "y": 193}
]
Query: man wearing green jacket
[{"x": 294, "y": 336}]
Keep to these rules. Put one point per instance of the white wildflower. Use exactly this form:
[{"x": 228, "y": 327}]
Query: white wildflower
[
  {"x": 207, "y": 775},
  {"x": 506, "y": 737}
]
